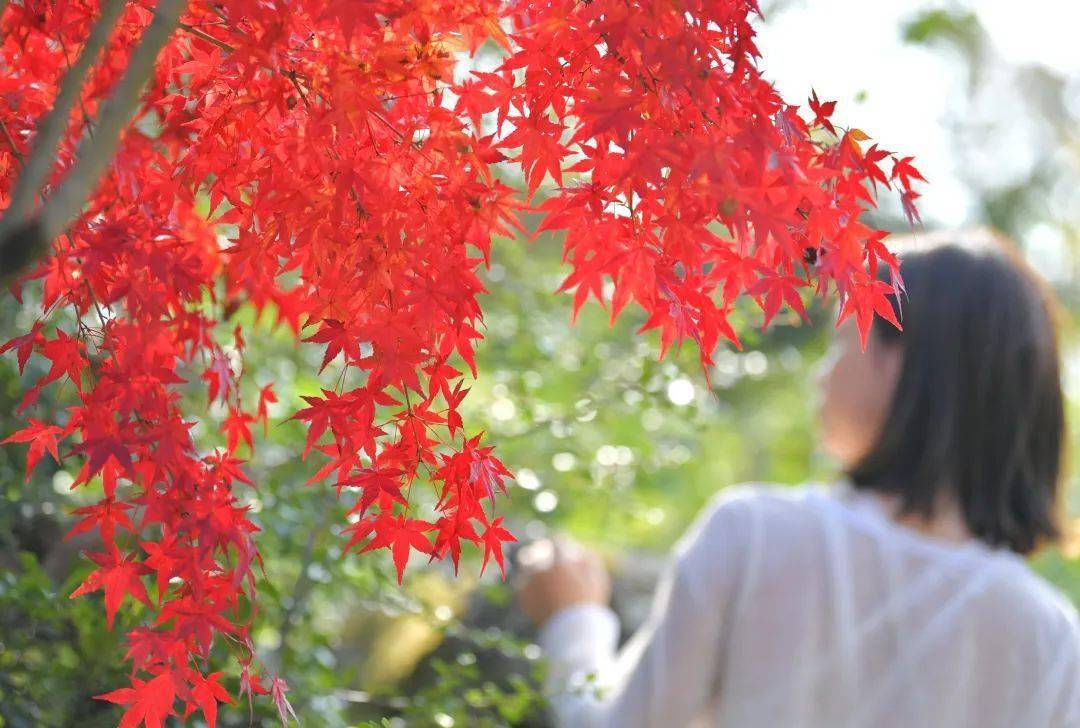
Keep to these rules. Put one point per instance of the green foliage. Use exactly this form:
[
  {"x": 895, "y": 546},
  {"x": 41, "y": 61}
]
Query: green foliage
[
  {"x": 55, "y": 653},
  {"x": 944, "y": 25},
  {"x": 463, "y": 696}
]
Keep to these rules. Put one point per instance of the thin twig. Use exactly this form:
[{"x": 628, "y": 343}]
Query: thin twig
[
  {"x": 207, "y": 37},
  {"x": 11, "y": 141},
  {"x": 292, "y": 77}
]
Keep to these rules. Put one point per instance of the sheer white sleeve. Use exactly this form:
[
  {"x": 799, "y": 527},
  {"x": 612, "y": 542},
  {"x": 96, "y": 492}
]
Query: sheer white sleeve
[{"x": 666, "y": 674}]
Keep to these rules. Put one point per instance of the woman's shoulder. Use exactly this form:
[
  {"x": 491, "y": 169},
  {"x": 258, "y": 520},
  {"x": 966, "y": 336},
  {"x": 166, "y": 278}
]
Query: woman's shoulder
[
  {"x": 750, "y": 511},
  {"x": 739, "y": 525},
  {"x": 1023, "y": 592},
  {"x": 764, "y": 499}
]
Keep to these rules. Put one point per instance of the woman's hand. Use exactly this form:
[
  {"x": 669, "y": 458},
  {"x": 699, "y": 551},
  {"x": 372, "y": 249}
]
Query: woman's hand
[{"x": 557, "y": 574}]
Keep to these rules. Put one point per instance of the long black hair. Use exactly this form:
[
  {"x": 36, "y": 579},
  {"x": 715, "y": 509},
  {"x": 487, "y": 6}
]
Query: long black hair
[{"x": 978, "y": 408}]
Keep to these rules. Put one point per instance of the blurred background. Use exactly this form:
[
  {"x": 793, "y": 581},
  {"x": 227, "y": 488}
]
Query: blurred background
[{"x": 608, "y": 443}]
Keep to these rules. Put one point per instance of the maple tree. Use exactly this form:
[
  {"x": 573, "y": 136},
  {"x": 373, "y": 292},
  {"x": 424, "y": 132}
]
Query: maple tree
[{"x": 320, "y": 162}]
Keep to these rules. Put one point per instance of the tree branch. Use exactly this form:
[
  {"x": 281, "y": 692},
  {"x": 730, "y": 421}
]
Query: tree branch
[
  {"x": 95, "y": 155},
  {"x": 302, "y": 587},
  {"x": 23, "y": 239},
  {"x": 52, "y": 127}
]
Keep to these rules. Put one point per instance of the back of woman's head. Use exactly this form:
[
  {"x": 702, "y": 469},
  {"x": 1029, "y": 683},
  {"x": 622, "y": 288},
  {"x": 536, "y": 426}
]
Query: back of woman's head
[{"x": 977, "y": 414}]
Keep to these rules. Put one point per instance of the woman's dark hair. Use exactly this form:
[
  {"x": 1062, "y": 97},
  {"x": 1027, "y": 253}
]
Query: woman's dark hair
[{"x": 978, "y": 407}]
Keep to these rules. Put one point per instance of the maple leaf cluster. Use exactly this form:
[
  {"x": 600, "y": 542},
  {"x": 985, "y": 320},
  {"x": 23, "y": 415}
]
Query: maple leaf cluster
[
  {"x": 701, "y": 183},
  {"x": 320, "y": 163}
]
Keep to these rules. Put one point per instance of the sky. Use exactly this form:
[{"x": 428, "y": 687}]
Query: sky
[{"x": 852, "y": 51}]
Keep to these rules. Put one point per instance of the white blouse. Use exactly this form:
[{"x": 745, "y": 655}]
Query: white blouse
[{"x": 809, "y": 607}]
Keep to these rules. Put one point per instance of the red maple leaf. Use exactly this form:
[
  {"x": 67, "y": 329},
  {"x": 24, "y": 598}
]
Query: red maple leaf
[
  {"x": 278, "y": 688},
  {"x": 451, "y": 529},
  {"x": 494, "y": 536},
  {"x": 42, "y": 439},
  {"x": 267, "y": 397},
  {"x": 206, "y": 693},
  {"x": 780, "y": 289},
  {"x": 151, "y": 701},
  {"x": 106, "y": 514},
  {"x": 822, "y": 112},
  {"x": 24, "y": 344},
  {"x": 237, "y": 427},
  {"x": 118, "y": 575},
  {"x": 401, "y": 535},
  {"x": 375, "y": 483}
]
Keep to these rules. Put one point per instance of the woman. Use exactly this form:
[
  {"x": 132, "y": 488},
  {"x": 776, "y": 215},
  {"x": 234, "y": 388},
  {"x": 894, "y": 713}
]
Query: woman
[{"x": 898, "y": 596}]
